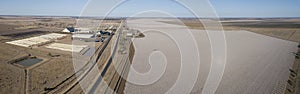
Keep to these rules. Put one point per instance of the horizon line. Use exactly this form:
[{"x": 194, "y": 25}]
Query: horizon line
[{"x": 135, "y": 17}]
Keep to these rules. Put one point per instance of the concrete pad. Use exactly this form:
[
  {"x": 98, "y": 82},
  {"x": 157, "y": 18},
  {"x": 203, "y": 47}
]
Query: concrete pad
[
  {"x": 35, "y": 41},
  {"x": 67, "y": 47}
]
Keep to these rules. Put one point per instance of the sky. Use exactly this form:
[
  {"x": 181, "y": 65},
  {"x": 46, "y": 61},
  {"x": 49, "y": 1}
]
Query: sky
[{"x": 223, "y": 8}]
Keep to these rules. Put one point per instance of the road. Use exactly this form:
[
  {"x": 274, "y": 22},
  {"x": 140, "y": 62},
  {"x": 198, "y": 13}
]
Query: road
[{"x": 104, "y": 76}]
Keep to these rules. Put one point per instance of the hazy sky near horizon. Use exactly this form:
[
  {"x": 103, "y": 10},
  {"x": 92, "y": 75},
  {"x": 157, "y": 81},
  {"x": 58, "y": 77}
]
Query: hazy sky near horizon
[{"x": 223, "y": 8}]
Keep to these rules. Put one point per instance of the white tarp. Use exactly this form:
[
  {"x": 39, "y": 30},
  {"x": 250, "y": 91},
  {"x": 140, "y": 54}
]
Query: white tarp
[{"x": 36, "y": 41}]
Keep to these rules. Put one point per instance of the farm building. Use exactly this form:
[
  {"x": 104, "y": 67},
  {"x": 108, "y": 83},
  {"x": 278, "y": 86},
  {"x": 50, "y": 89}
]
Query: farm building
[
  {"x": 69, "y": 30},
  {"x": 76, "y": 30}
]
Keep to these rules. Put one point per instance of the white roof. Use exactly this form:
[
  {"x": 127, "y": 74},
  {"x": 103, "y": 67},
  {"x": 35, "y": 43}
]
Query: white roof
[
  {"x": 82, "y": 29},
  {"x": 82, "y": 35},
  {"x": 66, "y": 30}
]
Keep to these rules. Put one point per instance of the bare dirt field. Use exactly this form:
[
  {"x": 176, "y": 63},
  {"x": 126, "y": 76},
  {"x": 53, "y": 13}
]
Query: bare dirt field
[
  {"x": 287, "y": 29},
  {"x": 41, "y": 75},
  {"x": 255, "y": 63}
]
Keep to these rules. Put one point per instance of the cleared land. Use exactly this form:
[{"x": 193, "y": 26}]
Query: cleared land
[
  {"x": 287, "y": 29},
  {"x": 255, "y": 63}
]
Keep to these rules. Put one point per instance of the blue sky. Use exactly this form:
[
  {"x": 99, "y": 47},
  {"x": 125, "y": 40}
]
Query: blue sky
[{"x": 224, "y": 8}]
